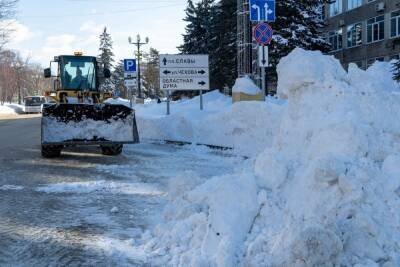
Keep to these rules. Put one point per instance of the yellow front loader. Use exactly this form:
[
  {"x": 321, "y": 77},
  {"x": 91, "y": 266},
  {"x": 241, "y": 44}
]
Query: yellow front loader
[{"x": 78, "y": 113}]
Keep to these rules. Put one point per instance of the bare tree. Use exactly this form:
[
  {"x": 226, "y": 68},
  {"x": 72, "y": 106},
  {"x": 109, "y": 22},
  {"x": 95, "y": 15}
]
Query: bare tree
[
  {"x": 7, "y": 12},
  {"x": 18, "y": 78}
]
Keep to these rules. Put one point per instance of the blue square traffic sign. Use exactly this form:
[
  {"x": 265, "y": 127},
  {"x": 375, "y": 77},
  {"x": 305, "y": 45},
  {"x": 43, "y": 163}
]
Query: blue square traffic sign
[
  {"x": 130, "y": 65},
  {"x": 262, "y": 10}
]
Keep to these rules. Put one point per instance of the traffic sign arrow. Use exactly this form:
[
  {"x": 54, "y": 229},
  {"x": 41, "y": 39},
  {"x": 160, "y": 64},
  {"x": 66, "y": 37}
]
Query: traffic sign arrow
[
  {"x": 202, "y": 71},
  {"x": 165, "y": 61},
  {"x": 258, "y": 11},
  {"x": 202, "y": 83},
  {"x": 166, "y": 72},
  {"x": 263, "y": 57}
]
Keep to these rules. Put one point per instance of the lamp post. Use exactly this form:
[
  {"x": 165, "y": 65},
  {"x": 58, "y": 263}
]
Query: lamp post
[{"x": 138, "y": 44}]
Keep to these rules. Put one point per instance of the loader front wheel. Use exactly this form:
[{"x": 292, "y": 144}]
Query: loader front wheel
[
  {"x": 51, "y": 151},
  {"x": 112, "y": 150}
]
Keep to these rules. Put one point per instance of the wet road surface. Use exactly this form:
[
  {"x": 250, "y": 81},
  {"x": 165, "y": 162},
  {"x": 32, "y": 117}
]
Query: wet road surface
[{"x": 84, "y": 209}]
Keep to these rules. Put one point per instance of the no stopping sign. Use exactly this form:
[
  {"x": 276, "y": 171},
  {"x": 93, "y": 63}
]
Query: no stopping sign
[{"x": 262, "y": 33}]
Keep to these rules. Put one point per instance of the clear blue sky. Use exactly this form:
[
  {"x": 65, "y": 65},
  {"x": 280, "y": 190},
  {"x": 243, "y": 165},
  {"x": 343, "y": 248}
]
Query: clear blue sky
[{"x": 50, "y": 27}]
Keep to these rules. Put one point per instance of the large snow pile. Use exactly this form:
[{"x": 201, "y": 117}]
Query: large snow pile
[
  {"x": 240, "y": 126},
  {"x": 324, "y": 192},
  {"x": 245, "y": 85}
]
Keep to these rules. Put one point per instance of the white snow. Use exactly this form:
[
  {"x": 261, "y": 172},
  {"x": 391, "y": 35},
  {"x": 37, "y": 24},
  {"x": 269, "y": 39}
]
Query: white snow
[
  {"x": 245, "y": 85},
  {"x": 114, "y": 210},
  {"x": 10, "y": 109},
  {"x": 238, "y": 126},
  {"x": 118, "y": 101},
  {"x": 321, "y": 187},
  {"x": 119, "y": 130},
  {"x": 8, "y": 187},
  {"x": 101, "y": 186}
]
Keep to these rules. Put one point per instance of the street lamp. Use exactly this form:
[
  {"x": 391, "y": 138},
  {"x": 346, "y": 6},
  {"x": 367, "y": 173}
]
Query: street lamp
[{"x": 138, "y": 44}]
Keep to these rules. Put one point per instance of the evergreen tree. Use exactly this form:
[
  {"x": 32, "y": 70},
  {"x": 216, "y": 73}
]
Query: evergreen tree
[
  {"x": 224, "y": 45},
  {"x": 106, "y": 47},
  {"x": 298, "y": 24},
  {"x": 396, "y": 70},
  {"x": 107, "y": 57},
  {"x": 117, "y": 80},
  {"x": 211, "y": 30},
  {"x": 200, "y": 27}
]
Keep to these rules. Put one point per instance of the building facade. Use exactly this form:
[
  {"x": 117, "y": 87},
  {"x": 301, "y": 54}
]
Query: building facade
[{"x": 363, "y": 31}]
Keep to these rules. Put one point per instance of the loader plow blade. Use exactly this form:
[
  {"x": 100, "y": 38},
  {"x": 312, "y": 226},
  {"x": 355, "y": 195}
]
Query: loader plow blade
[{"x": 85, "y": 124}]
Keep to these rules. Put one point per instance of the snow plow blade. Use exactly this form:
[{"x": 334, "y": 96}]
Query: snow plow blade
[{"x": 85, "y": 124}]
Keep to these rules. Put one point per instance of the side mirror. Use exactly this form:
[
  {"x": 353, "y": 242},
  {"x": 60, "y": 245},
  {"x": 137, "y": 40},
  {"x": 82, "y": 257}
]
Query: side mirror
[
  {"x": 107, "y": 73},
  {"x": 47, "y": 73}
]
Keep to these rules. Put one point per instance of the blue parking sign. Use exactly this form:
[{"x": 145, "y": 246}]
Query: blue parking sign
[
  {"x": 262, "y": 10},
  {"x": 130, "y": 65}
]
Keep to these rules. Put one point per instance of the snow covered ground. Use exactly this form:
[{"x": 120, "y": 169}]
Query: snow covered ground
[
  {"x": 10, "y": 109},
  {"x": 239, "y": 126},
  {"x": 322, "y": 183}
]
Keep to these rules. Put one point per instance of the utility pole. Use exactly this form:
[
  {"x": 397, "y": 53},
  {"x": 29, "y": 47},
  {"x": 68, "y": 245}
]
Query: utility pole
[{"x": 138, "y": 44}]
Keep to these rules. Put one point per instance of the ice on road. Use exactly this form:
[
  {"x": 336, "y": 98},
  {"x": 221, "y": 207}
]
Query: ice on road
[{"x": 89, "y": 209}]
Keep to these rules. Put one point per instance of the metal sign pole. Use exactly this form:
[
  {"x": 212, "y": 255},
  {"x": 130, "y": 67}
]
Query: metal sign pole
[
  {"x": 168, "y": 108},
  {"x": 263, "y": 81},
  {"x": 131, "y": 98},
  {"x": 201, "y": 100}
]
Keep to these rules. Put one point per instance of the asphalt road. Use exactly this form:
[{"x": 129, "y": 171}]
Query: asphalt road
[{"x": 84, "y": 209}]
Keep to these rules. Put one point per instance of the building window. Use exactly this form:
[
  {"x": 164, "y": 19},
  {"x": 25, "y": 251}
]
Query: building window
[
  {"x": 335, "y": 8},
  {"x": 354, "y": 35},
  {"x": 351, "y": 4},
  {"x": 335, "y": 38},
  {"x": 395, "y": 24},
  {"x": 376, "y": 29},
  {"x": 371, "y": 61}
]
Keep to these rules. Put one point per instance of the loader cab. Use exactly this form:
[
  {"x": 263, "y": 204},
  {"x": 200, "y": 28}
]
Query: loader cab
[
  {"x": 78, "y": 79},
  {"x": 78, "y": 73}
]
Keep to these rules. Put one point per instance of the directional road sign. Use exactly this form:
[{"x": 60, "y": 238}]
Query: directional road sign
[
  {"x": 263, "y": 56},
  {"x": 184, "y": 72},
  {"x": 262, "y": 33},
  {"x": 262, "y": 10}
]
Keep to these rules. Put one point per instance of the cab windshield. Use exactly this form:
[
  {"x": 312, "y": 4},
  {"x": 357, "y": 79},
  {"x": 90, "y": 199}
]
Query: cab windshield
[{"x": 78, "y": 73}]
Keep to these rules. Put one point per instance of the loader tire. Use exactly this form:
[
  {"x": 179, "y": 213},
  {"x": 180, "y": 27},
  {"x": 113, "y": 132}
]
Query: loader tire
[
  {"x": 51, "y": 151},
  {"x": 113, "y": 150}
]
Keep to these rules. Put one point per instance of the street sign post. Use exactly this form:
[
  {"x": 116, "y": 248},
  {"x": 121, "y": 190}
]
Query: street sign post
[
  {"x": 184, "y": 72},
  {"x": 262, "y": 10},
  {"x": 262, "y": 34}
]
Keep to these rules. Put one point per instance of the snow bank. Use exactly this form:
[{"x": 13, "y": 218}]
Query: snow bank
[
  {"x": 245, "y": 85},
  {"x": 324, "y": 191},
  {"x": 10, "y": 109},
  {"x": 221, "y": 123}
]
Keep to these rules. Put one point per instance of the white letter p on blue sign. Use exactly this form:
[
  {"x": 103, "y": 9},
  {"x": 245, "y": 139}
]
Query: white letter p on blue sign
[{"x": 130, "y": 65}]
